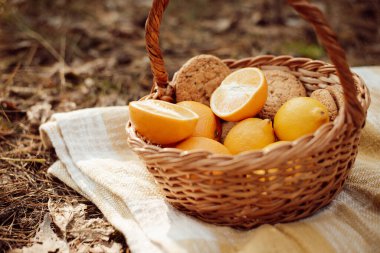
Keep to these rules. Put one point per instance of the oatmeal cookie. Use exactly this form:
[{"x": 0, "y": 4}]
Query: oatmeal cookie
[
  {"x": 226, "y": 127},
  {"x": 199, "y": 77},
  {"x": 336, "y": 92},
  {"x": 324, "y": 96},
  {"x": 282, "y": 86}
]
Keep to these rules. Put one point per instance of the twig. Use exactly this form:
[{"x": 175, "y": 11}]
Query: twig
[
  {"x": 31, "y": 54},
  {"x": 62, "y": 62},
  {"x": 2, "y": 6},
  {"x": 36, "y": 160},
  {"x": 4, "y": 114},
  {"x": 34, "y": 35},
  {"x": 13, "y": 74},
  {"x": 60, "y": 57},
  {"x": 7, "y": 142},
  {"x": 13, "y": 239},
  {"x": 13, "y": 111},
  {"x": 30, "y": 136}
]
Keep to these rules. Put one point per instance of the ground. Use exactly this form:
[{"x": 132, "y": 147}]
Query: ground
[{"x": 63, "y": 55}]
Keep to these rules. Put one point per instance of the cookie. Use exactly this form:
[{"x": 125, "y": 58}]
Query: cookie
[
  {"x": 336, "y": 92},
  {"x": 226, "y": 127},
  {"x": 282, "y": 86},
  {"x": 324, "y": 96},
  {"x": 199, "y": 77}
]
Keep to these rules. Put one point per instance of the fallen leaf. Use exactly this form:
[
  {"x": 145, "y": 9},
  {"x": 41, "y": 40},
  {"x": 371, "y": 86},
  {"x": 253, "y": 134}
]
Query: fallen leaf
[
  {"x": 22, "y": 92},
  {"x": 5, "y": 126},
  {"x": 111, "y": 100},
  {"x": 62, "y": 214},
  {"x": 220, "y": 25},
  {"x": 100, "y": 247},
  {"x": 92, "y": 235},
  {"x": 66, "y": 106},
  {"x": 45, "y": 240},
  {"x": 9, "y": 105},
  {"x": 39, "y": 113},
  {"x": 91, "y": 230},
  {"x": 5, "y": 179}
]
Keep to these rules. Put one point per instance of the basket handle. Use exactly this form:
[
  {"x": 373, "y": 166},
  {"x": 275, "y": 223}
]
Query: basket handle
[{"x": 307, "y": 11}]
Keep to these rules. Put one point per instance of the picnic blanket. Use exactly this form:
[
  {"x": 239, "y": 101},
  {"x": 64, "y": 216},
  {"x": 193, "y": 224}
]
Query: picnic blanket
[{"x": 95, "y": 160}]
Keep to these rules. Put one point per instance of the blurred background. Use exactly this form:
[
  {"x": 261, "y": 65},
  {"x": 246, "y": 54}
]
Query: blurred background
[
  {"x": 64, "y": 42},
  {"x": 63, "y": 55}
]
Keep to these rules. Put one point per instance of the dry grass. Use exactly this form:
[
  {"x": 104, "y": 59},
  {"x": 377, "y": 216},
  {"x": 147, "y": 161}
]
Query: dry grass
[
  {"x": 25, "y": 185},
  {"x": 26, "y": 188}
]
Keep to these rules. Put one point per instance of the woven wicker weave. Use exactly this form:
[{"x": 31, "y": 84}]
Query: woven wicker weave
[{"x": 284, "y": 184}]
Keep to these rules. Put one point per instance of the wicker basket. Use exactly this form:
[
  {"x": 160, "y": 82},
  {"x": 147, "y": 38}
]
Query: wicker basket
[{"x": 284, "y": 184}]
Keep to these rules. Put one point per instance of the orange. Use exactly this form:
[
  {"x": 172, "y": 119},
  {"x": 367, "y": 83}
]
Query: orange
[
  {"x": 241, "y": 95},
  {"x": 207, "y": 123},
  {"x": 299, "y": 116},
  {"x": 249, "y": 134},
  {"x": 275, "y": 144},
  {"x": 162, "y": 122},
  {"x": 203, "y": 143}
]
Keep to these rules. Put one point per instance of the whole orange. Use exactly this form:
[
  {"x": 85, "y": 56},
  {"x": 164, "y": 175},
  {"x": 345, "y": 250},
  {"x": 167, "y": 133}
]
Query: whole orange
[
  {"x": 249, "y": 134},
  {"x": 207, "y": 125}
]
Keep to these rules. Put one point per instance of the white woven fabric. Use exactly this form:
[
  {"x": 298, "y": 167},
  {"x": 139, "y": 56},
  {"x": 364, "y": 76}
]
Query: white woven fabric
[{"x": 94, "y": 159}]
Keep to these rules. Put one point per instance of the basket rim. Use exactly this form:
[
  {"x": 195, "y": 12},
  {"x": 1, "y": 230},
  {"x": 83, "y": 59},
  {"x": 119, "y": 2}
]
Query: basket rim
[{"x": 306, "y": 141}]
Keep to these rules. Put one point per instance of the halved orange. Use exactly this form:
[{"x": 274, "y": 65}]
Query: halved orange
[
  {"x": 162, "y": 122},
  {"x": 241, "y": 95}
]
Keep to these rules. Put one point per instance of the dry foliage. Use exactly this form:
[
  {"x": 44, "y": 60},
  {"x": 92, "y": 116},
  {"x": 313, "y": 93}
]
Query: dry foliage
[
  {"x": 45, "y": 240},
  {"x": 76, "y": 233}
]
